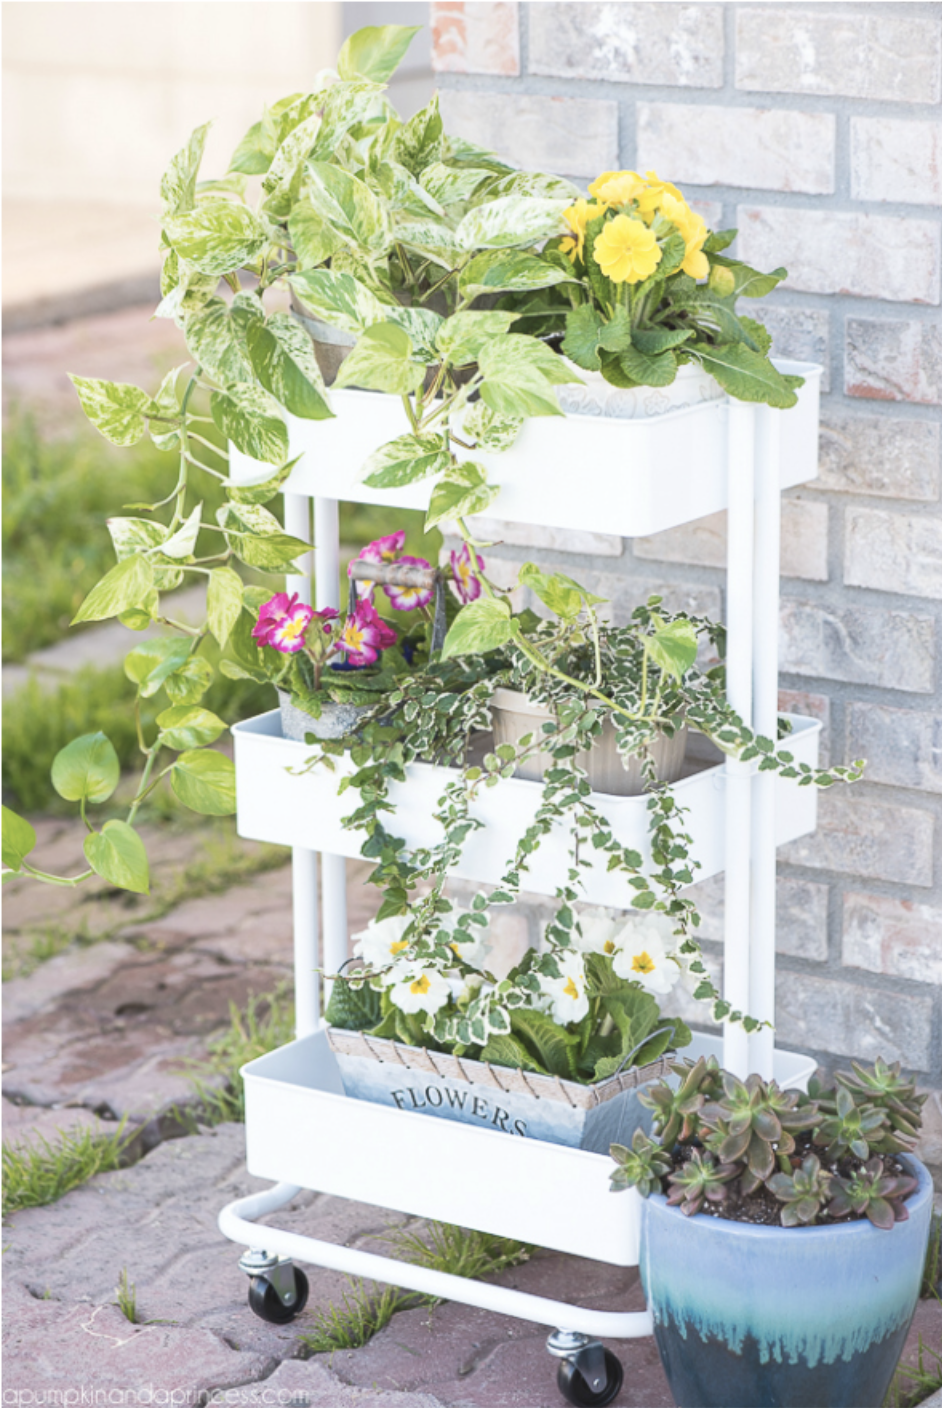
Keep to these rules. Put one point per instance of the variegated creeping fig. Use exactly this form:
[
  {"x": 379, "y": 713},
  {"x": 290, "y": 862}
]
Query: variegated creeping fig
[{"x": 457, "y": 281}]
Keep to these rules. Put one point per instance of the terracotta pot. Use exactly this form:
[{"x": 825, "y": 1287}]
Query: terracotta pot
[{"x": 514, "y": 714}]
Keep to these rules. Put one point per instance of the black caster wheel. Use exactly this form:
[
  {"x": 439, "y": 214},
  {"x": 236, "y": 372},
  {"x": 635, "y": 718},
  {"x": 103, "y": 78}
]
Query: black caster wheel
[
  {"x": 269, "y": 1305},
  {"x": 576, "y": 1389}
]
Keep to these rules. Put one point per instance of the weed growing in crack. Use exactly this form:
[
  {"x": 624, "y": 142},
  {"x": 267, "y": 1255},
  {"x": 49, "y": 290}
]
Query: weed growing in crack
[
  {"x": 42, "y": 1171},
  {"x": 913, "y": 1383},
  {"x": 266, "y": 1023},
  {"x": 127, "y": 1298},
  {"x": 460, "y": 1251},
  {"x": 362, "y": 1313}
]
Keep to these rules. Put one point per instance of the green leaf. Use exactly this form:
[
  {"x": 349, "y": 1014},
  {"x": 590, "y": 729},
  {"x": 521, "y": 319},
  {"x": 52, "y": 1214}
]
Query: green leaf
[
  {"x": 178, "y": 183},
  {"x": 422, "y": 326},
  {"x": 87, "y": 769},
  {"x": 648, "y": 371},
  {"x": 758, "y": 334},
  {"x": 116, "y": 408},
  {"x": 485, "y": 624},
  {"x": 532, "y": 183},
  {"x": 353, "y": 1008},
  {"x": 182, "y": 543},
  {"x": 223, "y": 602},
  {"x": 509, "y": 221},
  {"x": 151, "y": 662},
  {"x": 185, "y": 290},
  {"x": 250, "y": 419},
  {"x": 405, "y": 460},
  {"x": 129, "y": 583},
  {"x": 464, "y": 491},
  {"x": 508, "y": 271},
  {"x": 283, "y": 359},
  {"x": 338, "y": 299},
  {"x": 204, "y": 780},
  {"x": 184, "y": 726},
  {"x": 263, "y": 491},
  {"x": 449, "y": 186},
  {"x": 673, "y": 647},
  {"x": 518, "y": 374},
  {"x": 253, "y": 156},
  {"x": 382, "y": 361},
  {"x": 581, "y": 343},
  {"x": 258, "y": 538},
  {"x": 462, "y": 336},
  {"x": 349, "y": 205},
  {"x": 133, "y": 535},
  {"x": 117, "y": 854},
  {"x": 216, "y": 336},
  {"x": 189, "y": 683},
  {"x": 288, "y": 169},
  {"x": 218, "y": 236},
  {"x": 420, "y": 142},
  {"x": 559, "y": 592},
  {"x": 719, "y": 239},
  {"x": 376, "y": 51},
  {"x": 314, "y": 238},
  {"x": 19, "y": 838},
  {"x": 489, "y": 430},
  {"x": 745, "y": 374},
  {"x": 750, "y": 283},
  {"x": 553, "y": 1047},
  {"x": 615, "y": 336},
  {"x": 655, "y": 340},
  {"x": 510, "y": 1051},
  {"x": 167, "y": 403}
]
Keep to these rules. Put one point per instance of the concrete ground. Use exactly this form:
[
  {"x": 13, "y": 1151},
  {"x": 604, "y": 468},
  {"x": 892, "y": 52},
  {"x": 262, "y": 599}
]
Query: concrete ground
[{"x": 109, "y": 1029}]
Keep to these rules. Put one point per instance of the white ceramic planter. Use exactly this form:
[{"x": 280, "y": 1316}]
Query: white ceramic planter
[
  {"x": 692, "y": 386},
  {"x": 514, "y": 715}
]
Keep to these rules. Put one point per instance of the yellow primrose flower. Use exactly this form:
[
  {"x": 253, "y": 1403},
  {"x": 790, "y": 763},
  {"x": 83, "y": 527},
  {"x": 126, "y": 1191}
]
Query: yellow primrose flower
[
  {"x": 617, "y": 187},
  {"x": 577, "y": 217},
  {"x": 653, "y": 193},
  {"x": 694, "y": 230},
  {"x": 626, "y": 250}
]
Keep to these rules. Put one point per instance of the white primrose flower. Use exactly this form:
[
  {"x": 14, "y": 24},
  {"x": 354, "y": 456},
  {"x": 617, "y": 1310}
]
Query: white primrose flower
[
  {"x": 414, "y": 989},
  {"x": 382, "y": 943},
  {"x": 644, "y": 956},
  {"x": 599, "y": 933},
  {"x": 470, "y": 945},
  {"x": 567, "y": 993}
]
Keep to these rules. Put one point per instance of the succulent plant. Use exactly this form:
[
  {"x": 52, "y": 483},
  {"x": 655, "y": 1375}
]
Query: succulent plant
[
  {"x": 884, "y": 1087},
  {"x": 754, "y": 1122},
  {"x": 850, "y": 1128},
  {"x": 676, "y": 1112},
  {"x": 642, "y": 1166},
  {"x": 873, "y": 1192},
  {"x": 700, "y": 1180},
  {"x": 803, "y": 1192}
]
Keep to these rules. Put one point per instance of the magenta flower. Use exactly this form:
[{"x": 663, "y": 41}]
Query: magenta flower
[
  {"x": 365, "y": 634},
  {"x": 466, "y": 585},
  {"x": 282, "y": 622},
  {"x": 381, "y": 550},
  {"x": 408, "y": 598},
  {"x": 327, "y": 614}
]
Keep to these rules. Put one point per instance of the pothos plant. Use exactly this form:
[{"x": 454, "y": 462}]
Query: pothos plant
[{"x": 642, "y": 676}]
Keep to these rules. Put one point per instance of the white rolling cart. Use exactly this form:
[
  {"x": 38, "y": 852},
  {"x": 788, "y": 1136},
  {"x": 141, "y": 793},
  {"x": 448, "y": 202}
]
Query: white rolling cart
[{"x": 634, "y": 478}]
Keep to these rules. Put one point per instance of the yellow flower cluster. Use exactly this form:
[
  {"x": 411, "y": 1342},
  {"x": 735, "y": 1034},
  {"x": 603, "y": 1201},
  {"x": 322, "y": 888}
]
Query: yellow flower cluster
[{"x": 626, "y": 249}]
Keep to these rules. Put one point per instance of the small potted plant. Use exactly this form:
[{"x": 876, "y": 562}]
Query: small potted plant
[
  {"x": 572, "y": 1034},
  {"x": 783, "y": 1234}
]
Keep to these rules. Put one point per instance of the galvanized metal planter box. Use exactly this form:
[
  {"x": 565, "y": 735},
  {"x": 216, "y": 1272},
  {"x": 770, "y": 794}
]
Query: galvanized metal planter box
[{"x": 521, "y": 1104}]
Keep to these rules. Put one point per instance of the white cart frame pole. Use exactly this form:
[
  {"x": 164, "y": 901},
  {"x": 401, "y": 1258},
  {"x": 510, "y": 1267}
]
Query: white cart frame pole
[
  {"x": 768, "y": 515},
  {"x": 307, "y": 986},
  {"x": 333, "y": 867},
  {"x": 739, "y": 625}
]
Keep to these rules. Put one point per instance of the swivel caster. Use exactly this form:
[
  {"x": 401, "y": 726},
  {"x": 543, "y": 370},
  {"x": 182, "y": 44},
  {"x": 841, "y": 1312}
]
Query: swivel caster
[
  {"x": 278, "y": 1290},
  {"x": 589, "y": 1375}
]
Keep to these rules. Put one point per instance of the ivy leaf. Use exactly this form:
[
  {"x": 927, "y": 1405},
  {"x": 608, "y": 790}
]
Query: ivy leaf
[
  {"x": 254, "y": 154},
  {"x": 510, "y": 220},
  {"x": 420, "y": 142},
  {"x": 314, "y": 238},
  {"x": 509, "y": 271},
  {"x": 182, "y": 543},
  {"x": 204, "y": 780},
  {"x": 422, "y": 326},
  {"x": 581, "y": 343},
  {"x": 461, "y": 337},
  {"x": 216, "y": 336},
  {"x": 189, "y": 683},
  {"x": 375, "y": 52},
  {"x": 266, "y": 489},
  {"x": 130, "y": 583},
  {"x": 19, "y": 838},
  {"x": 87, "y": 769},
  {"x": 405, "y": 460},
  {"x": 218, "y": 236},
  {"x": 178, "y": 183},
  {"x": 349, "y": 205},
  {"x": 338, "y": 298},
  {"x": 117, "y": 854},
  {"x": 673, "y": 647},
  {"x": 250, "y": 419},
  {"x": 485, "y": 624},
  {"x": 184, "y": 726},
  {"x": 132, "y": 535},
  {"x": 149, "y": 664},
  {"x": 464, "y": 491},
  {"x": 519, "y": 372},
  {"x": 382, "y": 361},
  {"x": 489, "y": 430},
  {"x": 116, "y": 408},
  {"x": 223, "y": 602},
  {"x": 559, "y": 592},
  {"x": 282, "y": 356}
]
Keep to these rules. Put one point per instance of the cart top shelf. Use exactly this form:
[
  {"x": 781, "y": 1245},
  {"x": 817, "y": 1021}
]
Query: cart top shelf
[{"x": 596, "y": 473}]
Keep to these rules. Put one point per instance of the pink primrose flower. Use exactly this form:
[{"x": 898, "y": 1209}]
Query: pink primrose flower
[
  {"x": 327, "y": 615},
  {"x": 466, "y": 585},
  {"x": 282, "y": 622},
  {"x": 364, "y": 635},
  {"x": 408, "y": 598},
  {"x": 381, "y": 550}
]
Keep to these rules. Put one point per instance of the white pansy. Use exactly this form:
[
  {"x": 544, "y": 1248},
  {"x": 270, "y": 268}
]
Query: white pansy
[
  {"x": 567, "y": 994},
  {"x": 416, "y": 989},
  {"x": 599, "y": 933},
  {"x": 643, "y": 958},
  {"x": 381, "y": 943}
]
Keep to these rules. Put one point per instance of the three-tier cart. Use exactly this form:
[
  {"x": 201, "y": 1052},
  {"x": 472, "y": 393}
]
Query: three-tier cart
[{"x": 628, "y": 477}]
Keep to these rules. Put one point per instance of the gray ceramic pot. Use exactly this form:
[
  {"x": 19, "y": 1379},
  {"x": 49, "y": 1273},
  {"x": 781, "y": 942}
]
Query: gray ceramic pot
[
  {"x": 513, "y": 715},
  {"x": 336, "y": 720}
]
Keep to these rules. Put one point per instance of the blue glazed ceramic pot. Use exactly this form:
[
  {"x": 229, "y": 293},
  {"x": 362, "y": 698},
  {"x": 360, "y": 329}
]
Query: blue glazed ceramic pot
[{"x": 782, "y": 1317}]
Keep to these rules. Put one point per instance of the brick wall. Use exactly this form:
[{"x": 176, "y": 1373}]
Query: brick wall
[{"x": 816, "y": 131}]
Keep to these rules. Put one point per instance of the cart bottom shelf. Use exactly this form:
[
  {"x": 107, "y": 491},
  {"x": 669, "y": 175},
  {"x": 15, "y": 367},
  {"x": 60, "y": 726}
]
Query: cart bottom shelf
[{"x": 301, "y": 1129}]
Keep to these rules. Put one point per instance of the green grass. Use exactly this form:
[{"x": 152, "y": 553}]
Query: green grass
[
  {"x": 913, "y": 1383},
  {"x": 361, "y": 1314},
  {"x": 266, "y": 1023},
  {"x": 932, "y": 1271},
  {"x": 42, "y": 1171},
  {"x": 127, "y": 1298}
]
